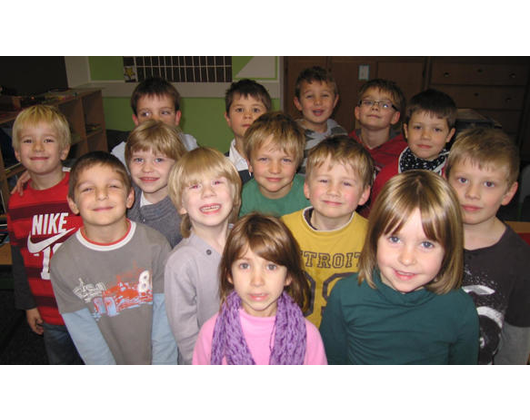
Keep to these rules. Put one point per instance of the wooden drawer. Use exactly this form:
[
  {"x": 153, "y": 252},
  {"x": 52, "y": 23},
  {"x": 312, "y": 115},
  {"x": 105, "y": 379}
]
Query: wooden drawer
[
  {"x": 508, "y": 119},
  {"x": 479, "y": 74},
  {"x": 482, "y": 97}
]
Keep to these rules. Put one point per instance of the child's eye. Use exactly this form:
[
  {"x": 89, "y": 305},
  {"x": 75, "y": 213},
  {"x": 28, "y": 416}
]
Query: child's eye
[
  {"x": 244, "y": 266},
  {"x": 263, "y": 159},
  {"x": 49, "y": 140},
  {"x": 287, "y": 160},
  {"x": 166, "y": 112},
  {"x": 138, "y": 160},
  {"x": 322, "y": 181},
  {"x": 393, "y": 239},
  {"x": 256, "y": 110},
  {"x": 489, "y": 184},
  {"x": 462, "y": 180},
  {"x": 27, "y": 141},
  {"x": 271, "y": 266},
  {"x": 427, "y": 244},
  {"x": 217, "y": 182},
  {"x": 86, "y": 189},
  {"x": 194, "y": 186},
  {"x": 416, "y": 127},
  {"x": 114, "y": 186},
  {"x": 159, "y": 160},
  {"x": 238, "y": 109},
  {"x": 145, "y": 114}
]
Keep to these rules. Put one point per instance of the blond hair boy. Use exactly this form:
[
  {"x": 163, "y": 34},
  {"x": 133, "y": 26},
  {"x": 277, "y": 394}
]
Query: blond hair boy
[
  {"x": 274, "y": 148},
  {"x": 330, "y": 233},
  {"x": 205, "y": 187},
  {"x": 151, "y": 151},
  {"x": 39, "y": 221},
  {"x": 483, "y": 168}
]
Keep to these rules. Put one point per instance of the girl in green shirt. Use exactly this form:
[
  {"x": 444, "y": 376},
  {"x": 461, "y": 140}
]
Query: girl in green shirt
[{"x": 405, "y": 305}]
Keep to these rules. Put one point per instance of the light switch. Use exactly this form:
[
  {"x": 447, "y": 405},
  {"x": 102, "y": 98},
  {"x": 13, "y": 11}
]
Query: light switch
[{"x": 364, "y": 71}]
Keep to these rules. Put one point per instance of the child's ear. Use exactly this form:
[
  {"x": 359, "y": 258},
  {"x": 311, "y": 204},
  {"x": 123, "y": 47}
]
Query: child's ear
[
  {"x": 72, "y": 205},
  {"x": 64, "y": 153},
  {"x": 135, "y": 120},
  {"x": 356, "y": 112},
  {"x": 406, "y": 131},
  {"x": 288, "y": 281},
  {"x": 336, "y": 101},
  {"x": 395, "y": 118},
  {"x": 509, "y": 194},
  {"x": 178, "y": 116},
  {"x": 250, "y": 170},
  {"x": 364, "y": 196},
  {"x": 227, "y": 119},
  {"x": 450, "y": 135},
  {"x": 297, "y": 104},
  {"x": 17, "y": 155},
  {"x": 130, "y": 199},
  {"x": 306, "y": 190}
]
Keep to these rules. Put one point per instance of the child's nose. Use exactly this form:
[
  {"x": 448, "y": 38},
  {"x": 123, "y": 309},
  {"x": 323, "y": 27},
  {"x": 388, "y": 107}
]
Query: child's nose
[
  {"x": 147, "y": 166},
  {"x": 472, "y": 190},
  {"x": 275, "y": 167},
  {"x": 38, "y": 146},
  {"x": 102, "y": 193},
  {"x": 407, "y": 256},
  {"x": 257, "y": 278}
]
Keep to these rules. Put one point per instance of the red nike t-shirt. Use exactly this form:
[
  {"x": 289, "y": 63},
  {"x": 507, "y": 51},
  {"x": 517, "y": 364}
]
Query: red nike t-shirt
[{"x": 38, "y": 223}]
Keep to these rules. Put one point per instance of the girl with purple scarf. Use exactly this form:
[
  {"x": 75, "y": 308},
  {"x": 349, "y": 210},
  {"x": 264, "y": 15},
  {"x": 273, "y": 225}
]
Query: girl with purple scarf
[{"x": 263, "y": 291}]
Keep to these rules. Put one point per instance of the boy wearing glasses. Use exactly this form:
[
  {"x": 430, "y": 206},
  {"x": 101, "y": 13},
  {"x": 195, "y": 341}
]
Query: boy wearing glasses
[{"x": 378, "y": 110}]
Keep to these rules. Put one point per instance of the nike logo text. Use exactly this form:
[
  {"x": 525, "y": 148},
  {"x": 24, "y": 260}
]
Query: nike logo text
[{"x": 36, "y": 247}]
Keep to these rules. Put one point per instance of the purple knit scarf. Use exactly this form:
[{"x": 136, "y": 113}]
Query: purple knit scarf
[{"x": 289, "y": 340}]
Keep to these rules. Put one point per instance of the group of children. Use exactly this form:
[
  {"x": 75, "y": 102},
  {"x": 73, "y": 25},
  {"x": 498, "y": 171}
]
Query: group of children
[{"x": 262, "y": 255}]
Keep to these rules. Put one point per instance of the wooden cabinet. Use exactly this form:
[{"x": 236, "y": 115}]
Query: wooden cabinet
[
  {"x": 83, "y": 109},
  {"x": 495, "y": 87}
]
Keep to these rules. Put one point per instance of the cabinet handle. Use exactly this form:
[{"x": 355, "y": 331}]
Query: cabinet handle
[{"x": 447, "y": 74}]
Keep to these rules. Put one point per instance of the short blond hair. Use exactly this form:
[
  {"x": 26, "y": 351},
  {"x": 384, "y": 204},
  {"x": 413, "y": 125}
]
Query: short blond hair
[
  {"x": 441, "y": 221},
  {"x": 341, "y": 149},
  {"x": 487, "y": 148},
  {"x": 156, "y": 136},
  {"x": 282, "y": 131},
  {"x": 191, "y": 168},
  {"x": 37, "y": 114}
]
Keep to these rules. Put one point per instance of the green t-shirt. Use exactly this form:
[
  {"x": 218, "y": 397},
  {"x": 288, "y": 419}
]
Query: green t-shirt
[
  {"x": 253, "y": 200},
  {"x": 361, "y": 325}
]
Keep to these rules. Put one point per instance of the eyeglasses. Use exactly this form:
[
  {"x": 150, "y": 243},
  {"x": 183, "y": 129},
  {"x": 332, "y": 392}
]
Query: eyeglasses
[{"x": 385, "y": 105}]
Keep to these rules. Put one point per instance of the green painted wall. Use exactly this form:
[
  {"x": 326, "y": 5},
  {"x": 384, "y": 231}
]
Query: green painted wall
[{"x": 203, "y": 118}]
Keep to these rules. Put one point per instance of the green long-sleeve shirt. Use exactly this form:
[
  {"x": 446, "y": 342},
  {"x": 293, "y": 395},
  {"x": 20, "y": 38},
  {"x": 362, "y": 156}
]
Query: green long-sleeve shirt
[{"x": 362, "y": 325}]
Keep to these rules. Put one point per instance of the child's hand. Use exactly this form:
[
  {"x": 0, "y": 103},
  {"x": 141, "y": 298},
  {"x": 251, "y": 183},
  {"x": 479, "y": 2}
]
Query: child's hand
[
  {"x": 34, "y": 320},
  {"x": 22, "y": 179}
]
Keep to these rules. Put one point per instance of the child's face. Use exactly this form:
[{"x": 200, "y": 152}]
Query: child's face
[
  {"x": 273, "y": 169},
  {"x": 101, "y": 198},
  {"x": 334, "y": 192},
  {"x": 317, "y": 101},
  {"x": 208, "y": 202},
  {"x": 480, "y": 191},
  {"x": 242, "y": 113},
  {"x": 376, "y": 116},
  {"x": 160, "y": 108},
  {"x": 408, "y": 260},
  {"x": 259, "y": 283},
  {"x": 39, "y": 149},
  {"x": 427, "y": 134},
  {"x": 150, "y": 171}
]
